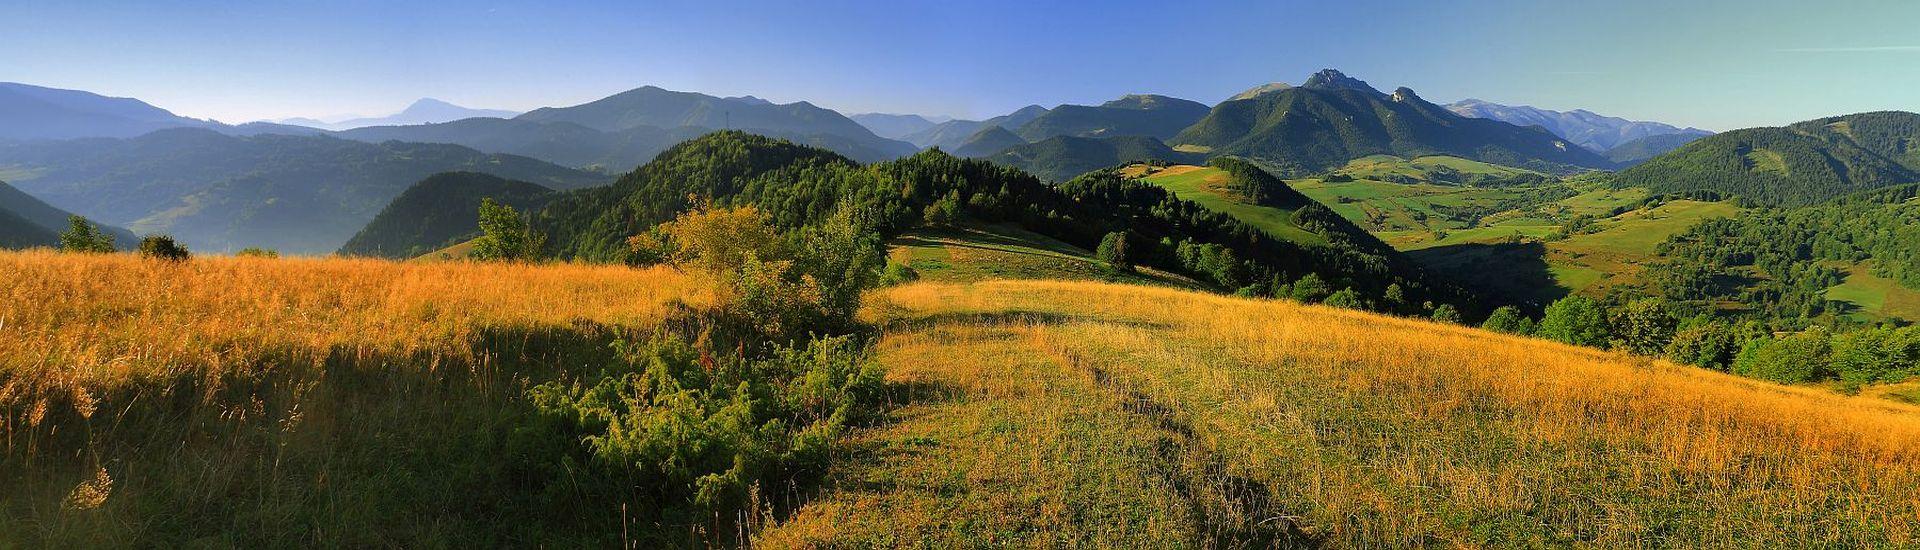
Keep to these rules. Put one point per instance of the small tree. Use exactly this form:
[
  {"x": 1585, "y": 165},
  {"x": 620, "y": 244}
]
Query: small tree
[
  {"x": 1644, "y": 326},
  {"x": 1575, "y": 320},
  {"x": 256, "y": 252},
  {"x": 1445, "y": 313},
  {"x": 505, "y": 236},
  {"x": 85, "y": 237},
  {"x": 1396, "y": 298},
  {"x": 162, "y": 247},
  {"x": 1113, "y": 251}
]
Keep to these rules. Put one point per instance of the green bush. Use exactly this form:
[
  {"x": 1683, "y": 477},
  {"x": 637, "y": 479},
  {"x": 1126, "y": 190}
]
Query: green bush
[
  {"x": 898, "y": 274},
  {"x": 1445, "y": 313},
  {"x": 162, "y": 247},
  {"x": 1346, "y": 298},
  {"x": 1508, "y": 320},
  {"x": 1113, "y": 252},
  {"x": 505, "y": 235},
  {"x": 1802, "y": 357}
]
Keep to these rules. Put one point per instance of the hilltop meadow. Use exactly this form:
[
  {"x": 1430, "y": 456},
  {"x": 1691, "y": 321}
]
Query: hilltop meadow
[{"x": 332, "y": 402}]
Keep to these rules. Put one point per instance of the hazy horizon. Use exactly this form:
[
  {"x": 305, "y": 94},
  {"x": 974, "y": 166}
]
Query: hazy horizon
[{"x": 1700, "y": 64}]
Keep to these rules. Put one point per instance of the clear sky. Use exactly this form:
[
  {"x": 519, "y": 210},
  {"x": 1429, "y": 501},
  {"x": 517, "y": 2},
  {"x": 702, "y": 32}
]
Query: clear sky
[{"x": 1713, "y": 64}]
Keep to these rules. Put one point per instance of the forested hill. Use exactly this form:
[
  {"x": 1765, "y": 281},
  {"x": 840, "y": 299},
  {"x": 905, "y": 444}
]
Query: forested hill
[
  {"x": 1062, "y": 157},
  {"x": 439, "y": 211},
  {"x": 1780, "y": 262},
  {"x": 1333, "y": 119},
  {"x": 1801, "y": 164},
  {"x": 27, "y": 222},
  {"x": 798, "y": 185}
]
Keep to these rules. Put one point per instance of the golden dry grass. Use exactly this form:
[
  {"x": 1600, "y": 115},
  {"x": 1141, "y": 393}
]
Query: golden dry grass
[
  {"x": 87, "y": 321},
  {"x": 1366, "y": 430}
]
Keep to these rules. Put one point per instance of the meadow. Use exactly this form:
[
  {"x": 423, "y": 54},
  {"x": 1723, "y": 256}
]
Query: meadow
[
  {"x": 1088, "y": 414},
  {"x": 247, "y": 402},
  {"x": 295, "y": 402}
]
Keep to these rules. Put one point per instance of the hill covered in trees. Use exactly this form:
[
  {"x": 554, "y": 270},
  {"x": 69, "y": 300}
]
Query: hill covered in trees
[
  {"x": 1333, "y": 118},
  {"x": 1060, "y": 158},
  {"x": 1778, "y": 264},
  {"x": 296, "y": 194},
  {"x": 1156, "y": 116},
  {"x": 797, "y": 185},
  {"x": 439, "y": 211},
  {"x": 1800, "y": 164},
  {"x": 27, "y": 222},
  {"x": 1634, "y": 152},
  {"x": 989, "y": 140}
]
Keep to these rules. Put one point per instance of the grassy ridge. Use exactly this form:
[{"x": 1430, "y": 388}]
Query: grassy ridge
[
  {"x": 1207, "y": 186},
  {"x": 1220, "y": 421}
]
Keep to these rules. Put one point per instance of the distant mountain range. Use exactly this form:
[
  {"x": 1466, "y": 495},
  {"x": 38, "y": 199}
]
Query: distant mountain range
[
  {"x": 298, "y": 194},
  {"x": 1595, "y": 132},
  {"x": 424, "y": 111},
  {"x": 1333, "y": 118},
  {"x": 1793, "y": 165},
  {"x": 34, "y": 112},
  {"x": 896, "y": 126},
  {"x": 950, "y": 135},
  {"x": 624, "y": 130}
]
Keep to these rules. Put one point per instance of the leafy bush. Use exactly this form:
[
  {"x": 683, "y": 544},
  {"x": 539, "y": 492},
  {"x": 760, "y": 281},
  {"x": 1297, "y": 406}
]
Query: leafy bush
[
  {"x": 1445, "y": 313},
  {"x": 898, "y": 274},
  {"x": 256, "y": 252},
  {"x": 1508, "y": 320},
  {"x": 1802, "y": 357},
  {"x": 1346, "y": 298},
  {"x": 162, "y": 247},
  {"x": 1113, "y": 252}
]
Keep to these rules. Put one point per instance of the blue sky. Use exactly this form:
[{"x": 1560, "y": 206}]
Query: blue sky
[{"x": 1713, "y": 64}]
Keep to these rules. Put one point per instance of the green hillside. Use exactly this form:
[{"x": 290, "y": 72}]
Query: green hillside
[
  {"x": 1062, "y": 157},
  {"x": 1333, "y": 119},
  {"x": 439, "y": 211},
  {"x": 1211, "y": 187},
  {"x": 1796, "y": 165},
  {"x": 1634, "y": 152},
  {"x": 1156, "y": 116},
  {"x": 799, "y": 186},
  {"x": 27, "y": 222},
  {"x": 295, "y": 194},
  {"x": 989, "y": 140},
  {"x": 1854, "y": 257}
]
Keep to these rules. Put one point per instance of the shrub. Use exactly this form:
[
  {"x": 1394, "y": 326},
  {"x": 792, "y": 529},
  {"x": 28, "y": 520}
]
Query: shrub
[
  {"x": 1346, "y": 298},
  {"x": 85, "y": 237},
  {"x": 1113, "y": 251},
  {"x": 162, "y": 247},
  {"x": 254, "y": 252},
  {"x": 1704, "y": 343},
  {"x": 1575, "y": 320},
  {"x": 1802, "y": 357},
  {"x": 898, "y": 274},
  {"x": 1445, "y": 313},
  {"x": 1508, "y": 320},
  {"x": 1309, "y": 288}
]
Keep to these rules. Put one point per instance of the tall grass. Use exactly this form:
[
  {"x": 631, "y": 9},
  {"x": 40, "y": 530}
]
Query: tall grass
[
  {"x": 299, "y": 402},
  {"x": 1369, "y": 430}
]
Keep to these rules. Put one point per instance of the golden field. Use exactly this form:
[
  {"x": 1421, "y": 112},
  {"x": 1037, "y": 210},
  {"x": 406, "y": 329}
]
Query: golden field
[
  {"x": 330, "y": 402},
  {"x": 1125, "y": 416}
]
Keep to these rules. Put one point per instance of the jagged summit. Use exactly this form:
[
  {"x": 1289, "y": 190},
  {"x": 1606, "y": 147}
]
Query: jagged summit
[{"x": 1330, "y": 79}]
